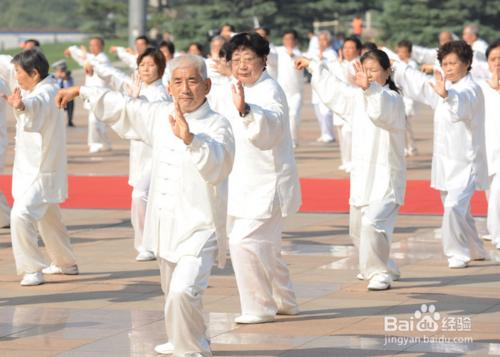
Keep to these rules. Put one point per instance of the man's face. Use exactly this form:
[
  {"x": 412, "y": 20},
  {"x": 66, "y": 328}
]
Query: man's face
[
  {"x": 289, "y": 40},
  {"x": 469, "y": 36},
  {"x": 226, "y": 32},
  {"x": 403, "y": 53},
  {"x": 247, "y": 66},
  {"x": 95, "y": 46},
  {"x": 140, "y": 46},
  {"x": 324, "y": 41},
  {"x": 453, "y": 68},
  {"x": 494, "y": 61},
  {"x": 188, "y": 88},
  {"x": 215, "y": 47},
  {"x": 349, "y": 50},
  {"x": 444, "y": 37}
]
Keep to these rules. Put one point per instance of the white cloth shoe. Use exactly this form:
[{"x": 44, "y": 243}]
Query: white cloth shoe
[
  {"x": 455, "y": 263},
  {"x": 54, "y": 269},
  {"x": 294, "y": 310},
  {"x": 165, "y": 349},
  {"x": 379, "y": 282},
  {"x": 145, "y": 256},
  {"x": 32, "y": 279},
  {"x": 253, "y": 319},
  {"x": 487, "y": 237}
]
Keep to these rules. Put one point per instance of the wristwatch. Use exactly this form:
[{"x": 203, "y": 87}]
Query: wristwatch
[{"x": 245, "y": 113}]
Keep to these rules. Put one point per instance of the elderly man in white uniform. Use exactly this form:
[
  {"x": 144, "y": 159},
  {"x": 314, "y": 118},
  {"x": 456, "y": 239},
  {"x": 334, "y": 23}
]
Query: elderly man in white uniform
[
  {"x": 39, "y": 181},
  {"x": 263, "y": 186},
  {"x": 291, "y": 80},
  {"x": 97, "y": 138},
  {"x": 146, "y": 86},
  {"x": 459, "y": 164},
  {"x": 491, "y": 93},
  {"x": 193, "y": 151},
  {"x": 378, "y": 175},
  {"x": 4, "y": 206},
  {"x": 327, "y": 55}
]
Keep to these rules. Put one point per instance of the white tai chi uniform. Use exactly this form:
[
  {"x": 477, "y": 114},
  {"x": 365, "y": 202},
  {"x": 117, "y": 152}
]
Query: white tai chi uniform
[
  {"x": 129, "y": 59},
  {"x": 411, "y": 110},
  {"x": 39, "y": 180},
  {"x": 98, "y": 132},
  {"x": 4, "y": 206},
  {"x": 263, "y": 188},
  {"x": 378, "y": 176},
  {"x": 459, "y": 164},
  {"x": 492, "y": 129},
  {"x": 323, "y": 113},
  {"x": 186, "y": 212},
  {"x": 272, "y": 62},
  {"x": 140, "y": 153},
  {"x": 291, "y": 81},
  {"x": 219, "y": 90}
]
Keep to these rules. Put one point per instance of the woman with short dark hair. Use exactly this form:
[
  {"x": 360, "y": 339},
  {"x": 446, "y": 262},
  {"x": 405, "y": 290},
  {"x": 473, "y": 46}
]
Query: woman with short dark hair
[
  {"x": 459, "y": 158},
  {"x": 39, "y": 180},
  {"x": 263, "y": 185},
  {"x": 149, "y": 87}
]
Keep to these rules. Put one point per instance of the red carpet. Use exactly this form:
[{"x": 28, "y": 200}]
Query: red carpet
[{"x": 318, "y": 195}]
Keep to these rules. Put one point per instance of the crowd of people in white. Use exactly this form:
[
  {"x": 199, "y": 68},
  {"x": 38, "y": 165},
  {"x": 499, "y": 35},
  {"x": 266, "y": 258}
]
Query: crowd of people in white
[{"x": 212, "y": 161}]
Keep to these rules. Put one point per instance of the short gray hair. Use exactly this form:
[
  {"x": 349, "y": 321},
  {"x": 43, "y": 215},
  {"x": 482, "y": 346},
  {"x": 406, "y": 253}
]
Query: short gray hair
[
  {"x": 185, "y": 61},
  {"x": 326, "y": 33},
  {"x": 474, "y": 28}
]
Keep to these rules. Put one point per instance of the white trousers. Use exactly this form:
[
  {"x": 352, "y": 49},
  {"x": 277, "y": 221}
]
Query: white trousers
[
  {"x": 371, "y": 228},
  {"x": 98, "y": 134},
  {"x": 138, "y": 209},
  {"x": 460, "y": 238},
  {"x": 493, "y": 219},
  {"x": 183, "y": 284},
  {"x": 4, "y": 211},
  {"x": 26, "y": 221},
  {"x": 410, "y": 135},
  {"x": 325, "y": 120},
  {"x": 261, "y": 273},
  {"x": 294, "y": 110},
  {"x": 344, "y": 137}
]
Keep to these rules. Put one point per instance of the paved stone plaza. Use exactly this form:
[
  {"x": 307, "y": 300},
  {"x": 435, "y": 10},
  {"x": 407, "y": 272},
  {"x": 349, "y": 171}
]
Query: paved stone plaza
[{"x": 114, "y": 307}]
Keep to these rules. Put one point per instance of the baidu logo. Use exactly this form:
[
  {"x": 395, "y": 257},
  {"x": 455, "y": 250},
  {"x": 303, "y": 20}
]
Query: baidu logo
[{"x": 426, "y": 319}]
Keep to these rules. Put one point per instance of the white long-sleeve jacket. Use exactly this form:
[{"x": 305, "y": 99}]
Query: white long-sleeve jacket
[
  {"x": 128, "y": 58},
  {"x": 140, "y": 160},
  {"x": 3, "y": 125},
  {"x": 290, "y": 79},
  {"x": 459, "y": 149},
  {"x": 378, "y": 135},
  {"x": 40, "y": 160},
  {"x": 329, "y": 57},
  {"x": 264, "y": 165},
  {"x": 188, "y": 198},
  {"x": 492, "y": 127}
]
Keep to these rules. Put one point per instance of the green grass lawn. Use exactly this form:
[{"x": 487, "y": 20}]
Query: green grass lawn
[{"x": 54, "y": 51}]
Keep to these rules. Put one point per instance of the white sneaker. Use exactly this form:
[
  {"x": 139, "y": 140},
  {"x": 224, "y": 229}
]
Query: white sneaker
[
  {"x": 54, "y": 269},
  {"x": 145, "y": 256},
  {"x": 294, "y": 310},
  {"x": 487, "y": 237},
  {"x": 455, "y": 263},
  {"x": 165, "y": 349},
  {"x": 32, "y": 279},
  {"x": 360, "y": 276},
  {"x": 379, "y": 282},
  {"x": 252, "y": 319}
]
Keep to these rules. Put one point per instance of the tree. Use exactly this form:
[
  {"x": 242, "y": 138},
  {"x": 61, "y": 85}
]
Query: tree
[{"x": 108, "y": 18}]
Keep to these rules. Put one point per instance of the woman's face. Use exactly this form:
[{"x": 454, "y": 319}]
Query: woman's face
[
  {"x": 148, "y": 70},
  {"x": 454, "y": 69},
  {"x": 375, "y": 71},
  {"x": 494, "y": 61},
  {"x": 25, "y": 80},
  {"x": 246, "y": 66}
]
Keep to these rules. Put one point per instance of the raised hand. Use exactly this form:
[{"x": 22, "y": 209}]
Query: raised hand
[
  {"x": 360, "y": 76},
  {"x": 341, "y": 56},
  {"x": 113, "y": 49},
  {"x": 238, "y": 96},
  {"x": 88, "y": 69},
  {"x": 67, "y": 53},
  {"x": 302, "y": 63},
  {"x": 222, "y": 67},
  {"x": 64, "y": 96},
  {"x": 15, "y": 100},
  {"x": 494, "y": 81},
  {"x": 135, "y": 89},
  {"x": 180, "y": 127},
  {"x": 440, "y": 85}
]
